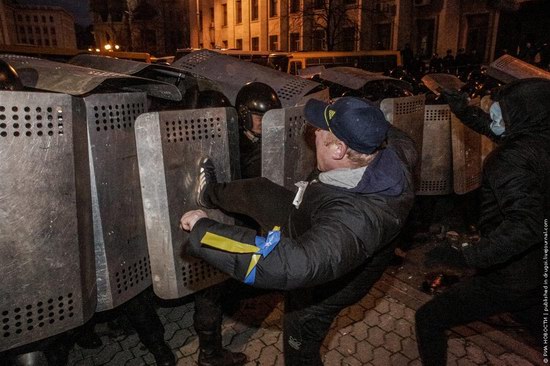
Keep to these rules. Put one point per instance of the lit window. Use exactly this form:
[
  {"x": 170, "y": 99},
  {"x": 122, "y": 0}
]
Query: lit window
[
  {"x": 255, "y": 43},
  {"x": 254, "y": 10},
  {"x": 273, "y": 5}
]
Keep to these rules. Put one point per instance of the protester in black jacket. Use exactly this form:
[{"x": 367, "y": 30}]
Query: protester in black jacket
[
  {"x": 515, "y": 209},
  {"x": 336, "y": 240}
]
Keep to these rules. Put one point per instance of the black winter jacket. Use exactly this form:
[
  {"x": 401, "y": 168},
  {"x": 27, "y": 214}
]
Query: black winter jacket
[
  {"x": 515, "y": 188},
  {"x": 333, "y": 232}
]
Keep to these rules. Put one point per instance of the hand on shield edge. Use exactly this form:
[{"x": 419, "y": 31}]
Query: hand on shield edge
[
  {"x": 457, "y": 100},
  {"x": 190, "y": 218}
]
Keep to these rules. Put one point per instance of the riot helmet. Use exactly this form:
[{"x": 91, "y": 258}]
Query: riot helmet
[
  {"x": 9, "y": 80},
  {"x": 255, "y": 98},
  {"x": 212, "y": 99}
]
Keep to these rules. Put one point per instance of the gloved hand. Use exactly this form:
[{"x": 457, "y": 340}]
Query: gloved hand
[
  {"x": 445, "y": 254},
  {"x": 457, "y": 100}
]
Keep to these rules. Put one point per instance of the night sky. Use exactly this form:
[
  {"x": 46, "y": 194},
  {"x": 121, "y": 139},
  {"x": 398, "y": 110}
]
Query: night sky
[{"x": 79, "y": 8}]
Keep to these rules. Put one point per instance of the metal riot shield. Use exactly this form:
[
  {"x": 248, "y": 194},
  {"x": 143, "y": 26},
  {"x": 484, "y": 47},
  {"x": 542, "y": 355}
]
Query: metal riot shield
[
  {"x": 407, "y": 114},
  {"x": 466, "y": 150},
  {"x": 287, "y": 154},
  {"x": 46, "y": 237},
  {"x": 170, "y": 145},
  {"x": 75, "y": 80},
  {"x": 122, "y": 260},
  {"x": 436, "y": 162},
  {"x": 508, "y": 68},
  {"x": 231, "y": 74}
]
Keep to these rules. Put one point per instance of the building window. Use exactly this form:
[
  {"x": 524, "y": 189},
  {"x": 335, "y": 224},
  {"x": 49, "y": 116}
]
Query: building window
[
  {"x": 294, "y": 41},
  {"x": 54, "y": 42},
  {"x": 239, "y": 44},
  {"x": 29, "y": 30},
  {"x": 31, "y": 40},
  {"x": 348, "y": 39},
  {"x": 47, "y": 42},
  {"x": 224, "y": 9},
  {"x": 294, "y": 6},
  {"x": 255, "y": 43},
  {"x": 239, "y": 11},
  {"x": 273, "y": 43},
  {"x": 225, "y": 44},
  {"x": 52, "y": 30},
  {"x": 39, "y": 42},
  {"x": 254, "y": 10},
  {"x": 211, "y": 17},
  {"x": 51, "y": 18},
  {"x": 318, "y": 40},
  {"x": 273, "y": 8},
  {"x": 22, "y": 30},
  {"x": 37, "y": 30},
  {"x": 45, "y": 30},
  {"x": 43, "y": 19},
  {"x": 35, "y": 18},
  {"x": 318, "y": 4},
  {"x": 350, "y": 2},
  {"x": 19, "y": 18},
  {"x": 200, "y": 20},
  {"x": 28, "y": 18},
  {"x": 23, "y": 40}
]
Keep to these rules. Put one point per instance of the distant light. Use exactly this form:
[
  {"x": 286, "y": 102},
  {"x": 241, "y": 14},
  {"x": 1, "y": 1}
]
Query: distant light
[
  {"x": 90, "y": 49},
  {"x": 117, "y": 47},
  {"x": 97, "y": 50},
  {"x": 107, "y": 47}
]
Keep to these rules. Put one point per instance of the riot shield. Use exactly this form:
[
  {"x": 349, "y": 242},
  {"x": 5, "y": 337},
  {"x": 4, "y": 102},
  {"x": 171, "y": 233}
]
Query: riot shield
[
  {"x": 508, "y": 68},
  {"x": 122, "y": 261},
  {"x": 438, "y": 82},
  {"x": 75, "y": 80},
  {"x": 436, "y": 161},
  {"x": 407, "y": 114},
  {"x": 466, "y": 150},
  {"x": 231, "y": 74},
  {"x": 46, "y": 237},
  {"x": 170, "y": 145},
  {"x": 287, "y": 157}
]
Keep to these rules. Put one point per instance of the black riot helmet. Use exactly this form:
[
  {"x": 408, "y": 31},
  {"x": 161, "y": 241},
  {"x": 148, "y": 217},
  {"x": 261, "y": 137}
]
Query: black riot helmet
[
  {"x": 9, "y": 80},
  {"x": 212, "y": 99},
  {"x": 255, "y": 98}
]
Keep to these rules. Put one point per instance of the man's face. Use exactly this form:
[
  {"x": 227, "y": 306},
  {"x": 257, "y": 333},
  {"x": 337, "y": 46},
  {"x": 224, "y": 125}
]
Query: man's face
[
  {"x": 323, "y": 150},
  {"x": 257, "y": 123}
]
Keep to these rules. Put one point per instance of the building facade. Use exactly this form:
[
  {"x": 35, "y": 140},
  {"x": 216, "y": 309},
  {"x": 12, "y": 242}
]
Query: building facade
[
  {"x": 36, "y": 25},
  {"x": 158, "y": 27},
  {"x": 428, "y": 26}
]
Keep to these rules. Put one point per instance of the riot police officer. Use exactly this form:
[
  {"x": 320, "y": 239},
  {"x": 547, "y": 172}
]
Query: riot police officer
[{"x": 252, "y": 102}]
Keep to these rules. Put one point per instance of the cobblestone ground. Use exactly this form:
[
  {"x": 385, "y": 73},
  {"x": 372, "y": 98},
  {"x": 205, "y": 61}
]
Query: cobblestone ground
[{"x": 379, "y": 330}]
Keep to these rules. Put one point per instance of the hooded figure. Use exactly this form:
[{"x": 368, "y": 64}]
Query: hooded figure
[{"x": 515, "y": 207}]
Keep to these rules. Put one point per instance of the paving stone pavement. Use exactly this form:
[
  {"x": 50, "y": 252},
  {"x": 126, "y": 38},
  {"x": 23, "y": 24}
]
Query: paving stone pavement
[{"x": 379, "y": 330}]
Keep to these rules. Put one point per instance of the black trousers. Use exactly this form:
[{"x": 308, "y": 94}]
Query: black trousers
[
  {"x": 308, "y": 312},
  {"x": 463, "y": 303}
]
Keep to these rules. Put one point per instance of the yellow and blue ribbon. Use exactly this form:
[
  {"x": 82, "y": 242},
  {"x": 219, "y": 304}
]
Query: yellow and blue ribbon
[{"x": 262, "y": 248}]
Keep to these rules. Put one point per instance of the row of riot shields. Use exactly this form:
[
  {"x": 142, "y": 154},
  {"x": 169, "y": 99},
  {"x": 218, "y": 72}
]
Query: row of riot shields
[
  {"x": 450, "y": 154},
  {"x": 92, "y": 192},
  {"x": 93, "y": 186}
]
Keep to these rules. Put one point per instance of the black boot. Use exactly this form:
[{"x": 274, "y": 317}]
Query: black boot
[
  {"x": 163, "y": 354},
  {"x": 211, "y": 352},
  {"x": 89, "y": 340},
  {"x": 206, "y": 175}
]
